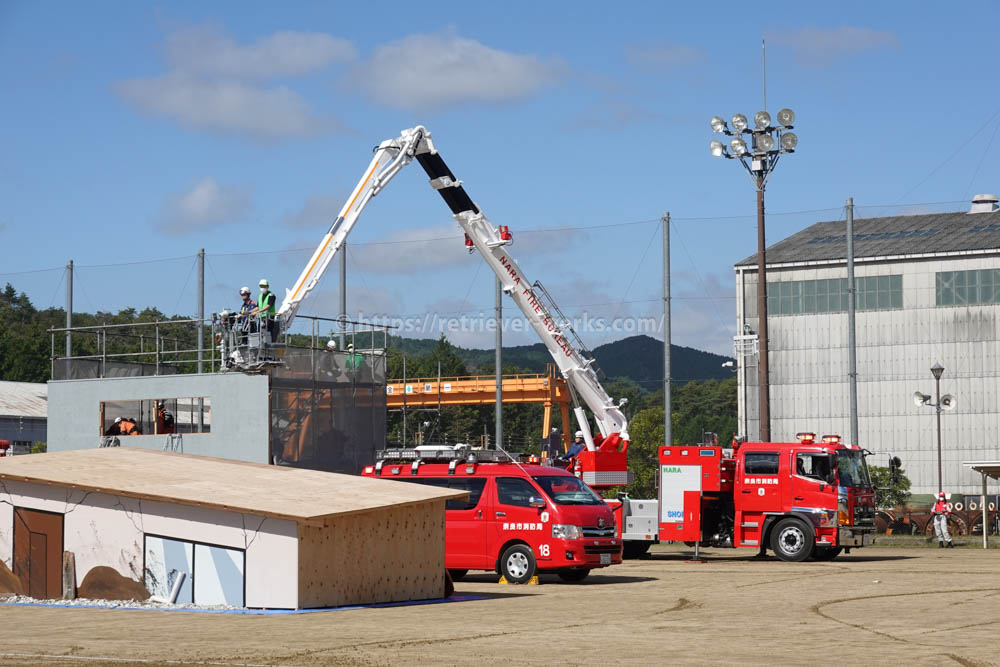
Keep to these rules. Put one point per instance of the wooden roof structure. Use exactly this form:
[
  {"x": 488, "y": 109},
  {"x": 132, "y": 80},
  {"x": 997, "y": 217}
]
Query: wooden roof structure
[{"x": 295, "y": 494}]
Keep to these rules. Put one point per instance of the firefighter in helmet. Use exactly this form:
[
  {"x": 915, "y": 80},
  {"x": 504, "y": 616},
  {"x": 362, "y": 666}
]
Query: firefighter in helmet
[
  {"x": 578, "y": 446},
  {"x": 941, "y": 512}
]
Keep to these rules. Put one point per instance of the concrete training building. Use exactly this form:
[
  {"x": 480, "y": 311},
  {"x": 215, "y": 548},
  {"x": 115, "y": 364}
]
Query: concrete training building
[
  {"x": 243, "y": 534},
  {"x": 927, "y": 291}
]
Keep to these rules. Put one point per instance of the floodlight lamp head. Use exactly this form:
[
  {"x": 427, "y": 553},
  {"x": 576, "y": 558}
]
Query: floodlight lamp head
[
  {"x": 739, "y": 122},
  {"x": 786, "y": 117},
  {"x": 948, "y": 402},
  {"x": 717, "y": 148},
  {"x": 765, "y": 143},
  {"x": 738, "y": 147},
  {"x": 789, "y": 141},
  {"x": 762, "y": 120},
  {"x": 718, "y": 124},
  {"x": 921, "y": 399}
]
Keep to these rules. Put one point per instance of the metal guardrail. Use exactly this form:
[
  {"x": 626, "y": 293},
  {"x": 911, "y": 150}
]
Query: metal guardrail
[{"x": 160, "y": 344}]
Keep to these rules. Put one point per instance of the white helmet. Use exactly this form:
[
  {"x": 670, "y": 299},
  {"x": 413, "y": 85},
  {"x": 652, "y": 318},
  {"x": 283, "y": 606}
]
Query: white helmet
[
  {"x": 331, "y": 344},
  {"x": 244, "y": 290},
  {"x": 263, "y": 282},
  {"x": 579, "y": 434}
]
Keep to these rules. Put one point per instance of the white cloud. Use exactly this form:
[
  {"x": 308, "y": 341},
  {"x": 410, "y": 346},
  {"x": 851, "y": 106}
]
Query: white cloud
[
  {"x": 206, "y": 205},
  {"x": 438, "y": 246},
  {"x": 226, "y": 106},
  {"x": 663, "y": 56},
  {"x": 432, "y": 71},
  {"x": 407, "y": 250},
  {"x": 819, "y": 46},
  {"x": 317, "y": 214},
  {"x": 285, "y": 53},
  {"x": 209, "y": 84}
]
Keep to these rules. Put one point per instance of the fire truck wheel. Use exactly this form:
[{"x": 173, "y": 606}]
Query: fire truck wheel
[
  {"x": 826, "y": 553},
  {"x": 457, "y": 575},
  {"x": 573, "y": 575},
  {"x": 791, "y": 540},
  {"x": 634, "y": 549},
  {"x": 517, "y": 564}
]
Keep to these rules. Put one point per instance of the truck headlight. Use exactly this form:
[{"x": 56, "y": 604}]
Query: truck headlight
[
  {"x": 828, "y": 519},
  {"x": 562, "y": 531},
  {"x": 843, "y": 519}
]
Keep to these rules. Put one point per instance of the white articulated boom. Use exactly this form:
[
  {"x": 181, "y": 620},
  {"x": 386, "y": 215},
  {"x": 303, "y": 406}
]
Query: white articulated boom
[{"x": 607, "y": 466}]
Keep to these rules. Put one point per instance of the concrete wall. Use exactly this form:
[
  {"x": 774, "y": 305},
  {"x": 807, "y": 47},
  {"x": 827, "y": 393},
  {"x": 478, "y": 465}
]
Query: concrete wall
[
  {"x": 895, "y": 350},
  {"x": 240, "y": 419},
  {"x": 108, "y": 530}
]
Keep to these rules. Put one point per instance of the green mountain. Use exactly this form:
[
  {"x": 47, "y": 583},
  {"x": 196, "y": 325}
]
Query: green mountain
[{"x": 639, "y": 358}]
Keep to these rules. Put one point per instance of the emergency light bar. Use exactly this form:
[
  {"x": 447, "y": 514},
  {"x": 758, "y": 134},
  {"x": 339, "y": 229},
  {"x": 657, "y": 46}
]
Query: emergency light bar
[
  {"x": 832, "y": 439},
  {"x": 445, "y": 453},
  {"x": 805, "y": 437}
]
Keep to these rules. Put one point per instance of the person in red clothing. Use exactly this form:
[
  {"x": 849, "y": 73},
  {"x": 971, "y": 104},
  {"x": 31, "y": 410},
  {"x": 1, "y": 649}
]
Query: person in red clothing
[{"x": 941, "y": 512}]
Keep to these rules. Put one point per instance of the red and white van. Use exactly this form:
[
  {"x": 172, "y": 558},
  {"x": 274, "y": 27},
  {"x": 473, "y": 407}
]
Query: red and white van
[{"x": 520, "y": 519}]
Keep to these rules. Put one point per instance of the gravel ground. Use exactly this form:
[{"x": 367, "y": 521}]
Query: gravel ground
[{"x": 895, "y": 606}]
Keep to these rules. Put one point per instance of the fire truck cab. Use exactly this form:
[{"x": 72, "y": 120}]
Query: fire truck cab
[
  {"x": 520, "y": 519},
  {"x": 805, "y": 499}
]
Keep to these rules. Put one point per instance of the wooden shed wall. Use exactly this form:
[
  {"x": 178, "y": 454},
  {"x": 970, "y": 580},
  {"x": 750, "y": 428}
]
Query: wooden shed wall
[{"x": 389, "y": 555}]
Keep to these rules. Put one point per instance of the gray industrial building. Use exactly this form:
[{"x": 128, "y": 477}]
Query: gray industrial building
[
  {"x": 927, "y": 291},
  {"x": 23, "y": 414}
]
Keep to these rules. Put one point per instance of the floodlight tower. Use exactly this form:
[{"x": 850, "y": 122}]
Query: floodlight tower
[{"x": 767, "y": 143}]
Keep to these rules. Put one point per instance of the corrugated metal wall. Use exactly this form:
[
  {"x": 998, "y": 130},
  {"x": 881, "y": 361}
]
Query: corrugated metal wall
[{"x": 896, "y": 348}]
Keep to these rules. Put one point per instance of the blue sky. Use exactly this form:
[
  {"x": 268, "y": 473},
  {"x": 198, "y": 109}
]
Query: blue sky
[{"x": 135, "y": 133}]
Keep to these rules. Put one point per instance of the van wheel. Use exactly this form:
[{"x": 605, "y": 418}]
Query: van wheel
[
  {"x": 457, "y": 575},
  {"x": 791, "y": 540},
  {"x": 517, "y": 564},
  {"x": 573, "y": 575}
]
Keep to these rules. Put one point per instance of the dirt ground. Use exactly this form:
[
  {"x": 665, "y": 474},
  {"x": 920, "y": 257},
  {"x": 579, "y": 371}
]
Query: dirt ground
[{"x": 875, "y": 606}]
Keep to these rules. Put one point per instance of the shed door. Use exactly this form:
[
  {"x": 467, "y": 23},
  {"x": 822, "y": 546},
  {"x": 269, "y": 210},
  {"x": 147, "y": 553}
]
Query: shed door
[{"x": 38, "y": 547}]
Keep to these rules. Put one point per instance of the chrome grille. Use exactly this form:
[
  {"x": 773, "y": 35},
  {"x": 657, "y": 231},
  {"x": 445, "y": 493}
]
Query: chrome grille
[
  {"x": 599, "y": 531},
  {"x": 864, "y": 515}
]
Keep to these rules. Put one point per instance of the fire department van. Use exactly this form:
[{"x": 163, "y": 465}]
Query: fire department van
[{"x": 520, "y": 519}]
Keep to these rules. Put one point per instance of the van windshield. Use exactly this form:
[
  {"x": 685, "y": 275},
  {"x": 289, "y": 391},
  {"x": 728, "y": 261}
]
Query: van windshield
[{"x": 567, "y": 490}]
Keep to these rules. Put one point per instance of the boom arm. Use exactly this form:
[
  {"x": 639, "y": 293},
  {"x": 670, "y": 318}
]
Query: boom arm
[
  {"x": 390, "y": 156},
  {"x": 491, "y": 242}
]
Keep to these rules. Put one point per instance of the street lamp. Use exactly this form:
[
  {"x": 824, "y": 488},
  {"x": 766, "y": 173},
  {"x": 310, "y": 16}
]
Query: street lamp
[
  {"x": 768, "y": 142},
  {"x": 946, "y": 402}
]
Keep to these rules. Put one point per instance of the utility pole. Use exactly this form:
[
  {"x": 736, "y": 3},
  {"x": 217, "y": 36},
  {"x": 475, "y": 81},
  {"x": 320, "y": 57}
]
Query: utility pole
[
  {"x": 499, "y": 360},
  {"x": 201, "y": 310},
  {"x": 343, "y": 297},
  {"x": 69, "y": 308},
  {"x": 852, "y": 342},
  {"x": 668, "y": 434}
]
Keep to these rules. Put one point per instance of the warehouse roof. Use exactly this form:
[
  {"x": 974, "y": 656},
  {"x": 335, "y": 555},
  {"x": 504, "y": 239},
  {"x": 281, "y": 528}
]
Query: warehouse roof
[
  {"x": 24, "y": 399},
  {"x": 304, "y": 496},
  {"x": 893, "y": 237}
]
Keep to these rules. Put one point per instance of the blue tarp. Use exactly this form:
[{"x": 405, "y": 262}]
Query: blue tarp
[{"x": 259, "y": 612}]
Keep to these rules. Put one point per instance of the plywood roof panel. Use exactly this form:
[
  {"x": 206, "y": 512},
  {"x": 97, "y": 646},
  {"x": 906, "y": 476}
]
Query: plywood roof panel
[{"x": 305, "y": 496}]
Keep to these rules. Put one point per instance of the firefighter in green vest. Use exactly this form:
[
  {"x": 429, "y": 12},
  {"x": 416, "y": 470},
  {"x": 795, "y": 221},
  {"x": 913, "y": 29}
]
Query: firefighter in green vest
[{"x": 265, "y": 309}]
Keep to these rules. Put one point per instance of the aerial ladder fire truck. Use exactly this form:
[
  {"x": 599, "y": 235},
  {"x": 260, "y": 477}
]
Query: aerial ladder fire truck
[
  {"x": 603, "y": 463},
  {"x": 811, "y": 498}
]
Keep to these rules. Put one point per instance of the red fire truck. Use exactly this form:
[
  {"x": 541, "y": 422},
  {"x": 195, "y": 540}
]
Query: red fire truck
[
  {"x": 520, "y": 518},
  {"x": 808, "y": 498}
]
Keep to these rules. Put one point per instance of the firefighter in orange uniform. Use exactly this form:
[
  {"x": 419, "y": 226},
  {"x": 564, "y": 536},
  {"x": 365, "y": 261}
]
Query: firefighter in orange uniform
[{"x": 941, "y": 512}]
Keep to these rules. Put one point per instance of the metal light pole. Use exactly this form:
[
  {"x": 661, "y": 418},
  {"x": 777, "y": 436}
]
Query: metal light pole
[
  {"x": 768, "y": 143},
  {"x": 946, "y": 402}
]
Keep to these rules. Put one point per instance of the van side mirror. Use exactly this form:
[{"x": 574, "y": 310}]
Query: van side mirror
[{"x": 536, "y": 501}]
